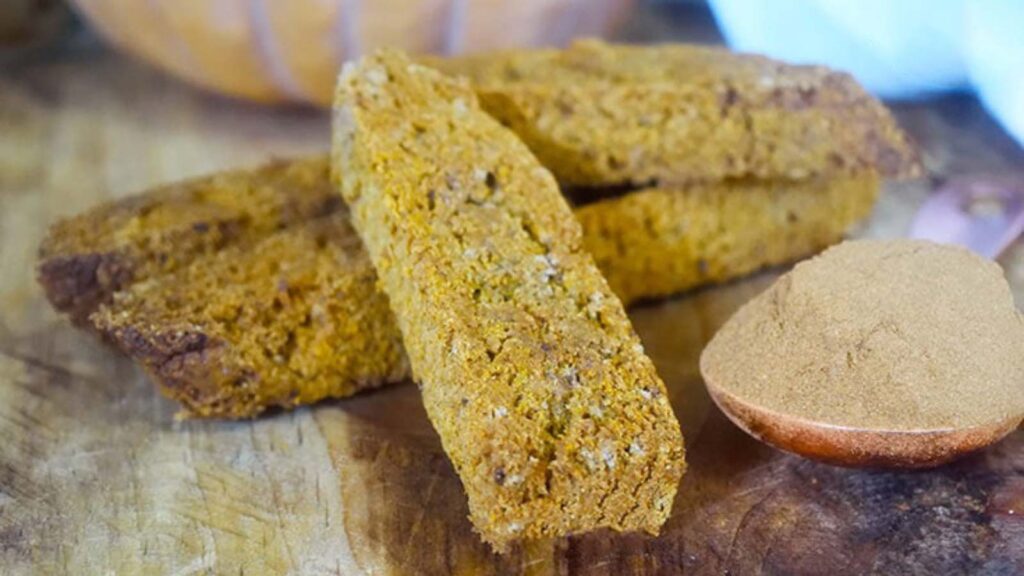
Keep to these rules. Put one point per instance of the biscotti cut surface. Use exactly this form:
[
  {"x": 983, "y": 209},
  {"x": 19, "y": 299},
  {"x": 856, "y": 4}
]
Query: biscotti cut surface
[
  {"x": 286, "y": 321},
  {"x": 553, "y": 417},
  {"x": 661, "y": 241},
  {"x": 598, "y": 114},
  {"x": 85, "y": 259}
]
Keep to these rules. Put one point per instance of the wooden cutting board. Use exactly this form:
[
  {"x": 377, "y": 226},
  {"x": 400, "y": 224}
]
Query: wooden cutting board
[{"x": 97, "y": 477}]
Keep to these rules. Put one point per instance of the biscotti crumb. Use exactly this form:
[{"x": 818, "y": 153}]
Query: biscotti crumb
[{"x": 489, "y": 338}]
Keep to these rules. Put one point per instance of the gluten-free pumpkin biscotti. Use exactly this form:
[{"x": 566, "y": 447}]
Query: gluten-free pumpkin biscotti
[
  {"x": 647, "y": 243},
  {"x": 545, "y": 402},
  {"x": 599, "y": 114},
  {"x": 285, "y": 321},
  {"x": 660, "y": 241},
  {"x": 85, "y": 259}
]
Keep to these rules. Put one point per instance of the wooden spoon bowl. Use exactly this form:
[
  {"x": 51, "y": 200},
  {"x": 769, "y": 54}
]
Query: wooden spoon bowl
[{"x": 857, "y": 447}]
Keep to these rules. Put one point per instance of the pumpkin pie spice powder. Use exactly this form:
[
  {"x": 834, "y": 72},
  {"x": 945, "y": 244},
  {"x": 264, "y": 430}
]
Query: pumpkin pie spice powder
[{"x": 886, "y": 335}]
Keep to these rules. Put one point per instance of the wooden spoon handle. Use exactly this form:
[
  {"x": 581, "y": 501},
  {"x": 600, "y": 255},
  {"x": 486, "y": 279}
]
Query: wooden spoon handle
[{"x": 984, "y": 214}]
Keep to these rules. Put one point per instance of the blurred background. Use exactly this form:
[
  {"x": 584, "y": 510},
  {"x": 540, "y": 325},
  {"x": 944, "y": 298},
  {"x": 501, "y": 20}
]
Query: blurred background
[
  {"x": 276, "y": 51},
  {"x": 102, "y": 98}
]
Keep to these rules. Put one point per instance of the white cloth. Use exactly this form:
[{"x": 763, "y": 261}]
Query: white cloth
[{"x": 896, "y": 48}]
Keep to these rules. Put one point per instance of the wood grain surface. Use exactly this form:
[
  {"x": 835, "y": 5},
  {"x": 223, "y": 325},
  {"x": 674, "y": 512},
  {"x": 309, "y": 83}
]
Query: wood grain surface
[{"x": 96, "y": 476}]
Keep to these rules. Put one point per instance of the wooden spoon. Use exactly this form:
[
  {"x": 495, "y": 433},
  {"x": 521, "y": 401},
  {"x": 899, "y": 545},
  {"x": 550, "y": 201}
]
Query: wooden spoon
[
  {"x": 983, "y": 214},
  {"x": 856, "y": 447}
]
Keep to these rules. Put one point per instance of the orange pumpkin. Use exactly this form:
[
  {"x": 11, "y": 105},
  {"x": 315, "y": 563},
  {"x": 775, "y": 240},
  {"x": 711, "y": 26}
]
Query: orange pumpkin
[{"x": 291, "y": 50}]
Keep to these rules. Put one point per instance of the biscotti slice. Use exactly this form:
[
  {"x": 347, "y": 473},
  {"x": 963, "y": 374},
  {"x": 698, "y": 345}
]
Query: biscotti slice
[
  {"x": 289, "y": 320},
  {"x": 85, "y": 259},
  {"x": 599, "y": 114},
  {"x": 550, "y": 411},
  {"x": 660, "y": 241}
]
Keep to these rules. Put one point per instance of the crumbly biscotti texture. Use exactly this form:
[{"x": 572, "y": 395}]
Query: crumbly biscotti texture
[
  {"x": 661, "y": 241},
  {"x": 545, "y": 402},
  {"x": 85, "y": 259},
  {"x": 647, "y": 243},
  {"x": 599, "y": 114},
  {"x": 284, "y": 321}
]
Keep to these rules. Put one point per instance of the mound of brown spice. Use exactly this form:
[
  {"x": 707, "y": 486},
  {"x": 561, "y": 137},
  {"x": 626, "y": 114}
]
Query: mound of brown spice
[{"x": 879, "y": 335}]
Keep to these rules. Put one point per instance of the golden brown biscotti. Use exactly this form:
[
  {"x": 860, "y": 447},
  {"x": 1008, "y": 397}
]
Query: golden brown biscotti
[
  {"x": 539, "y": 389},
  {"x": 661, "y": 241},
  {"x": 647, "y": 243},
  {"x": 85, "y": 259},
  {"x": 284, "y": 321},
  {"x": 600, "y": 114}
]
